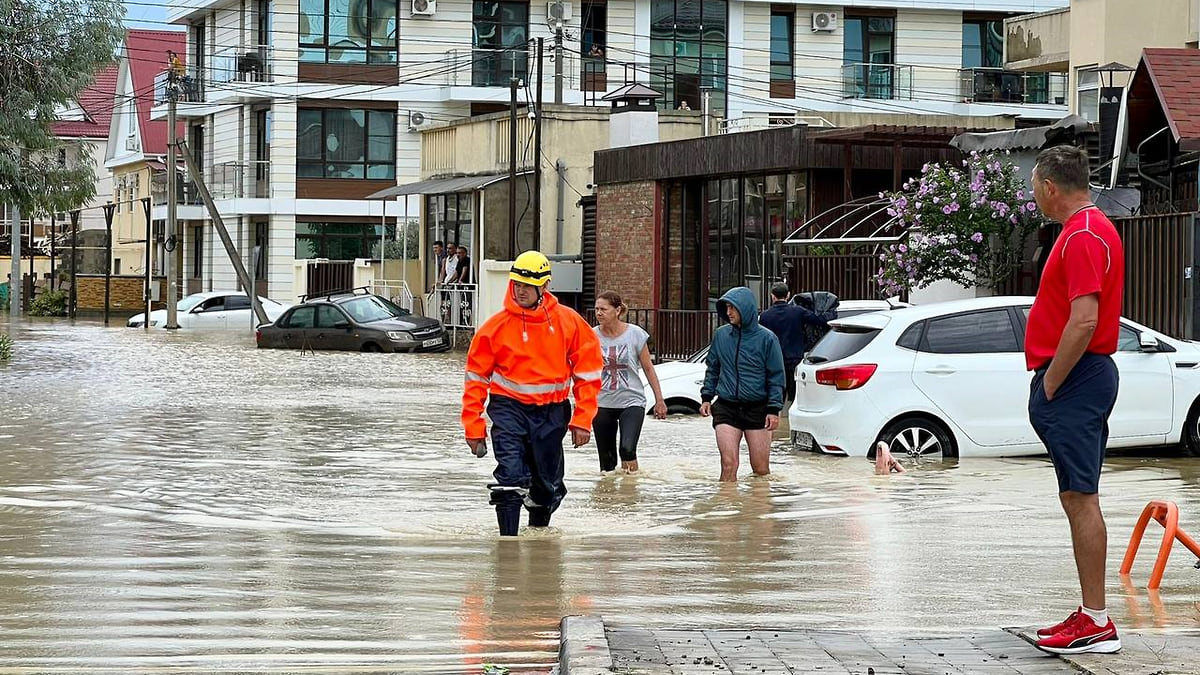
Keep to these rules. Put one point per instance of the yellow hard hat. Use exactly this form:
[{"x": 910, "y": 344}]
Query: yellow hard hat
[{"x": 531, "y": 267}]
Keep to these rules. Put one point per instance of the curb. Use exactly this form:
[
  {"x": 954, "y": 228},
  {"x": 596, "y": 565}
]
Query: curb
[{"x": 583, "y": 647}]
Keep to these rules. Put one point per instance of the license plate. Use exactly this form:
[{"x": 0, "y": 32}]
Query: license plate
[
  {"x": 804, "y": 440},
  {"x": 432, "y": 342}
]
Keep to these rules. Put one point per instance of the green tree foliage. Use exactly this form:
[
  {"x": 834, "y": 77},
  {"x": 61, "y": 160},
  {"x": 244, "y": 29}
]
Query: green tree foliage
[{"x": 50, "y": 51}]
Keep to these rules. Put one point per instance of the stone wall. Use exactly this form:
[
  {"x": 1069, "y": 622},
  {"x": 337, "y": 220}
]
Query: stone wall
[
  {"x": 627, "y": 241},
  {"x": 125, "y": 295}
]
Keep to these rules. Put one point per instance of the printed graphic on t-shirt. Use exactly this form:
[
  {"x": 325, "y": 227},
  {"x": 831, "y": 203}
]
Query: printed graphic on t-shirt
[{"x": 615, "y": 374}]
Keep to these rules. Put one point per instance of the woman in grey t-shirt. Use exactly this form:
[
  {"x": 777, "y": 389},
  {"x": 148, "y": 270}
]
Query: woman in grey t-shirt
[{"x": 622, "y": 400}]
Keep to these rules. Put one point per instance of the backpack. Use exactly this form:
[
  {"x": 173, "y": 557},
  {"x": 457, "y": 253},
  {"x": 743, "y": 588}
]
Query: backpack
[{"x": 822, "y": 303}]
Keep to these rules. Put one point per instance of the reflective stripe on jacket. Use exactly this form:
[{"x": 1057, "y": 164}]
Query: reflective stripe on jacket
[{"x": 536, "y": 356}]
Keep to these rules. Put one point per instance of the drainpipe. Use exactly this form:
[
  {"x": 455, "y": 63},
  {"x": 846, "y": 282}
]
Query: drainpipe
[{"x": 561, "y": 168}]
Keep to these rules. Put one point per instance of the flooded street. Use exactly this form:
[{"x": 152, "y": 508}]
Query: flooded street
[{"x": 182, "y": 502}]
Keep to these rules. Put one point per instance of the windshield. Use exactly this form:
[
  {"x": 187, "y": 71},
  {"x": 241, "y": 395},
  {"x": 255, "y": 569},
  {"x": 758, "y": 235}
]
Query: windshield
[
  {"x": 190, "y": 302},
  {"x": 370, "y": 308},
  {"x": 841, "y": 342}
]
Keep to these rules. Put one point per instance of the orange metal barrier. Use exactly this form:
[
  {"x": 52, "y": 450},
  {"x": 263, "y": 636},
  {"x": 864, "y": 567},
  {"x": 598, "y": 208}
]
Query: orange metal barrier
[{"x": 1167, "y": 515}]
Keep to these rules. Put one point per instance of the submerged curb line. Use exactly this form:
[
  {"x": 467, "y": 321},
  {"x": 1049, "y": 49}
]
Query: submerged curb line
[{"x": 583, "y": 647}]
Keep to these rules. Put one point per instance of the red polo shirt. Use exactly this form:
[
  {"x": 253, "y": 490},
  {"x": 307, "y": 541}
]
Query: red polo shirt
[{"x": 1087, "y": 259}]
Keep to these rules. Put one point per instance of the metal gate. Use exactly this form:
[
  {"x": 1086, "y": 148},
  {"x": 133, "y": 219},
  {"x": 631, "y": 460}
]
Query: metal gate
[{"x": 328, "y": 276}]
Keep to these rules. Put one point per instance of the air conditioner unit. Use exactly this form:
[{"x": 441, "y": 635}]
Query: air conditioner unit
[
  {"x": 416, "y": 120},
  {"x": 558, "y": 11},
  {"x": 824, "y": 22},
  {"x": 424, "y": 7}
]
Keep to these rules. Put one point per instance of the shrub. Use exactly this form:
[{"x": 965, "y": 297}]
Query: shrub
[
  {"x": 50, "y": 303},
  {"x": 968, "y": 224},
  {"x": 5, "y": 347}
]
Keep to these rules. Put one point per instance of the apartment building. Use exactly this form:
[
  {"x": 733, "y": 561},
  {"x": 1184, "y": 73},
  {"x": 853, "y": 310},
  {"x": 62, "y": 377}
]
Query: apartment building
[{"x": 299, "y": 110}]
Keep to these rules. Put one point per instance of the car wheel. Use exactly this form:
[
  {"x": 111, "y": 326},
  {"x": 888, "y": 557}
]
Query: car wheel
[
  {"x": 371, "y": 347},
  {"x": 917, "y": 438},
  {"x": 680, "y": 406},
  {"x": 1191, "y": 431}
]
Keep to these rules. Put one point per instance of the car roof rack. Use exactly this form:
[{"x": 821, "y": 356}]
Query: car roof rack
[{"x": 328, "y": 295}]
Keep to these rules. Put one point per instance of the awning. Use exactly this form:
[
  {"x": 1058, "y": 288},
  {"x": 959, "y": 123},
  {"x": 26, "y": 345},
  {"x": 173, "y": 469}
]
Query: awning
[
  {"x": 438, "y": 186},
  {"x": 1033, "y": 138}
]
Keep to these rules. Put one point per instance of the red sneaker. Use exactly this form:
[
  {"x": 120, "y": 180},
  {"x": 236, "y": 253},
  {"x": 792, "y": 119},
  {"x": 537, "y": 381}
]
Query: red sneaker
[
  {"x": 1047, "y": 632},
  {"x": 1082, "y": 636}
]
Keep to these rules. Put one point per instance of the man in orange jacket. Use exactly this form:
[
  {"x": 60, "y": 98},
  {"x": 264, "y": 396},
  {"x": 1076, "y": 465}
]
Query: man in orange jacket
[{"x": 528, "y": 357}]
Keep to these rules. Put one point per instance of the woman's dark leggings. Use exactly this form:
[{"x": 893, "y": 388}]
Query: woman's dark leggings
[{"x": 605, "y": 425}]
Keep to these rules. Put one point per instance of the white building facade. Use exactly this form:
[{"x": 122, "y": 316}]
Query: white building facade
[{"x": 298, "y": 110}]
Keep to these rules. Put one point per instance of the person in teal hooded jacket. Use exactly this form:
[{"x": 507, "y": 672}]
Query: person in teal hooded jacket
[{"x": 745, "y": 375}]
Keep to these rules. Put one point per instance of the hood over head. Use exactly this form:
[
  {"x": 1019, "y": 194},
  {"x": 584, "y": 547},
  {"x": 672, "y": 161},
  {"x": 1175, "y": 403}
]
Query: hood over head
[
  {"x": 743, "y": 299},
  {"x": 537, "y": 314}
]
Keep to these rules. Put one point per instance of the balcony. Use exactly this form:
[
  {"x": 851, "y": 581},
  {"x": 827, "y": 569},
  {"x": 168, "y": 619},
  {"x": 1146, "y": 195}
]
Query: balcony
[
  {"x": 997, "y": 85},
  {"x": 186, "y": 193},
  {"x": 495, "y": 67},
  {"x": 884, "y": 81},
  {"x": 234, "y": 74},
  {"x": 1039, "y": 42},
  {"x": 239, "y": 65},
  {"x": 191, "y": 87},
  {"x": 228, "y": 180}
]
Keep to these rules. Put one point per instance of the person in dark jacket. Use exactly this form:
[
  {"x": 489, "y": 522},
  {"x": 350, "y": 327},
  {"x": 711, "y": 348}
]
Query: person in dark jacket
[
  {"x": 787, "y": 321},
  {"x": 745, "y": 375}
]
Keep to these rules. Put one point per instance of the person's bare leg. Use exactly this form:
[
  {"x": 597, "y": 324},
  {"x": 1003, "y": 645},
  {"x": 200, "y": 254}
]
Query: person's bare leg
[
  {"x": 1089, "y": 537},
  {"x": 630, "y": 466},
  {"x": 729, "y": 443},
  {"x": 759, "y": 442}
]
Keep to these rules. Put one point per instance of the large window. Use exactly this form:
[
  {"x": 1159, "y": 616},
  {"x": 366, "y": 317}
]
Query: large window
[
  {"x": 868, "y": 52},
  {"x": 982, "y": 43},
  {"x": 340, "y": 241},
  {"x": 448, "y": 218},
  {"x": 783, "y": 35},
  {"x": 348, "y": 31},
  {"x": 593, "y": 45},
  {"x": 340, "y": 143},
  {"x": 1087, "y": 86},
  {"x": 501, "y": 41},
  {"x": 688, "y": 51}
]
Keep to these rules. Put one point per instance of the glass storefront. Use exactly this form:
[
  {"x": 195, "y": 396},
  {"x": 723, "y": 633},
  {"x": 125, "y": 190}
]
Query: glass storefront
[
  {"x": 340, "y": 241},
  {"x": 727, "y": 232}
]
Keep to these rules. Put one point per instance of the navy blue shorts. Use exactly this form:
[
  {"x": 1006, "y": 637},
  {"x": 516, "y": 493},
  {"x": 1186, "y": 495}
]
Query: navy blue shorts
[{"x": 1074, "y": 426}]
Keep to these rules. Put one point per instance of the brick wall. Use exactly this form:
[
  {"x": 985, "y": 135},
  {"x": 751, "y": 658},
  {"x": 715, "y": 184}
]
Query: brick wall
[
  {"x": 125, "y": 293},
  {"x": 627, "y": 242}
]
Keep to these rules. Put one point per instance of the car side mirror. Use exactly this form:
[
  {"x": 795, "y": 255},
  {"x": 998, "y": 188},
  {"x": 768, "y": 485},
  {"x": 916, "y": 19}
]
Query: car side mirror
[
  {"x": 1148, "y": 343},
  {"x": 341, "y": 324}
]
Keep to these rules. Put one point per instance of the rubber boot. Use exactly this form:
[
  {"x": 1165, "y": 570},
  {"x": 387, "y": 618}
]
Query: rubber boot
[
  {"x": 508, "y": 516},
  {"x": 539, "y": 517}
]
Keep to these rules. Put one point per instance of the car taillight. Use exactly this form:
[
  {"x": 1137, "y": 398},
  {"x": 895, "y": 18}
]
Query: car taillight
[{"x": 847, "y": 377}]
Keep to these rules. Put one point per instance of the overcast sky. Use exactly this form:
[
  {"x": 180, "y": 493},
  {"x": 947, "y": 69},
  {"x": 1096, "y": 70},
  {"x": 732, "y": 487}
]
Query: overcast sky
[{"x": 147, "y": 14}]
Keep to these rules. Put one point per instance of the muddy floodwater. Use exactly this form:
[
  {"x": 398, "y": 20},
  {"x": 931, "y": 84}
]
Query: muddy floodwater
[{"x": 187, "y": 503}]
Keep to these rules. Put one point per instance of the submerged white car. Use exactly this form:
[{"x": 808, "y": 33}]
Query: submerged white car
[
  {"x": 949, "y": 379},
  {"x": 681, "y": 380},
  {"x": 214, "y": 310}
]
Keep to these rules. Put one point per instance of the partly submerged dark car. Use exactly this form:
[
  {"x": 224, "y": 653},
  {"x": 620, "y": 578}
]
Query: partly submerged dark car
[{"x": 353, "y": 322}]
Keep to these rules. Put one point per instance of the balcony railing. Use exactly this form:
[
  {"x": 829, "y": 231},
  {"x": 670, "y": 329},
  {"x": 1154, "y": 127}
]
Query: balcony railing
[
  {"x": 252, "y": 63},
  {"x": 996, "y": 85},
  {"x": 191, "y": 86},
  {"x": 241, "y": 180},
  {"x": 495, "y": 67},
  {"x": 186, "y": 192},
  {"x": 877, "y": 81}
]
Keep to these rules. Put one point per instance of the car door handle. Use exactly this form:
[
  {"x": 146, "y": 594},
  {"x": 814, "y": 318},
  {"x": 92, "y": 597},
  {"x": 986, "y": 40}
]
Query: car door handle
[
  {"x": 941, "y": 371},
  {"x": 699, "y": 381}
]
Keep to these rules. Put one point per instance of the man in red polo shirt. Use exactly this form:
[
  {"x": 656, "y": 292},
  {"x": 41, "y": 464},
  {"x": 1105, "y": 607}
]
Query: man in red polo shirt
[{"x": 1072, "y": 332}]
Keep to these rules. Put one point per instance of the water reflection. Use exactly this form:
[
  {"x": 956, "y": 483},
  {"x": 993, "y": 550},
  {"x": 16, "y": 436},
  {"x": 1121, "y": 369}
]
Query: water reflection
[{"x": 184, "y": 501}]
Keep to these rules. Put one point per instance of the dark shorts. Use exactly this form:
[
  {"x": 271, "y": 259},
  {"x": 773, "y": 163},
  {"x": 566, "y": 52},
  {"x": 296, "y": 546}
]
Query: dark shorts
[
  {"x": 744, "y": 415},
  {"x": 1074, "y": 426}
]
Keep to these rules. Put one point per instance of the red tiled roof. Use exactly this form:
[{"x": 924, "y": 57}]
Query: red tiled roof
[
  {"x": 146, "y": 51},
  {"x": 1176, "y": 77},
  {"x": 97, "y": 104}
]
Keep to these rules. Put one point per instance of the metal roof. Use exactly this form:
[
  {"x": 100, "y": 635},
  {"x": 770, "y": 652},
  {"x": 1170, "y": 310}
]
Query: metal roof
[{"x": 438, "y": 186}]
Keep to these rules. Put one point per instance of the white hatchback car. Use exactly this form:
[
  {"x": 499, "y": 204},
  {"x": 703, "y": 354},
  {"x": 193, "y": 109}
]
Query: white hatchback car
[
  {"x": 949, "y": 379},
  {"x": 681, "y": 380},
  {"x": 214, "y": 310}
]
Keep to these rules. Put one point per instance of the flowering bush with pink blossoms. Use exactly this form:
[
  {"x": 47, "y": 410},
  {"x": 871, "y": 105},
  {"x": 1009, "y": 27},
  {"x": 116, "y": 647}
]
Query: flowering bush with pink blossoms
[{"x": 967, "y": 223}]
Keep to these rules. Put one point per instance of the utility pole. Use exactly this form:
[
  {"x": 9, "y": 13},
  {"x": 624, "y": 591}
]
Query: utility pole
[
  {"x": 537, "y": 151},
  {"x": 513, "y": 83},
  {"x": 558, "y": 63},
  {"x": 15, "y": 281},
  {"x": 108, "y": 218},
  {"x": 172, "y": 181},
  {"x": 74, "y": 263},
  {"x": 219, "y": 225},
  {"x": 146, "y": 301},
  {"x": 53, "y": 252}
]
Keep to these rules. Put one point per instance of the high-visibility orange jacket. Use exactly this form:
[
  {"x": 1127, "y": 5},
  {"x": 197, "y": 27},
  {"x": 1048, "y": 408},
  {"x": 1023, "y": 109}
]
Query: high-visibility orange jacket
[{"x": 535, "y": 356}]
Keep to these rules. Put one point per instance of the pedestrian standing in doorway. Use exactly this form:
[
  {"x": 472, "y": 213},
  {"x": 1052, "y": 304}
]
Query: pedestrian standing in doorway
[
  {"x": 1071, "y": 334},
  {"x": 622, "y": 397},
  {"x": 450, "y": 265},
  {"x": 527, "y": 358},
  {"x": 462, "y": 267},
  {"x": 787, "y": 321},
  {"x": 744, "y": 373},
  {"x": 439, "y": 256}
]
